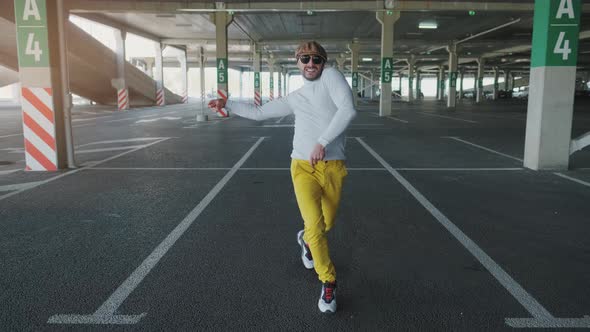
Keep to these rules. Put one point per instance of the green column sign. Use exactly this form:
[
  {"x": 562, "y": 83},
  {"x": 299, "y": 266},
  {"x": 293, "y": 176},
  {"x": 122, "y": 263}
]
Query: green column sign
[
  {"x": 355, "y": 80},
  {"x": 386, "y": 70},
  {"x": 221, "y": 71},
  {"x": 272, "y": 82},
  {"x": 31, "y": 26},
  {"x": 555, "y": 33},
  {"x": 453, "y": 79},
  {"x": 257, "y": 80},
  {"x": 480, "y": 82}
]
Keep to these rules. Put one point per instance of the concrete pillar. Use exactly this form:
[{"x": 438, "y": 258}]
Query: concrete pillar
[
  {"x": 512, "y": 80},
  {"x": 159, "y": 76},
  {"x": 183, "y": 77},
  {"x": 480, "y": 75},
  {"x": 474, "y": 85},
  {"x": 411, "y": 63},
  {"x": 285, "y": 82},
  {"x": 149, "y": 63},
  {"x": 401, "y": 76},
  {"x": 119, "y": 83},
  {"x": 506, "y": 79},
  {"x": 46, "y": 99},
  {"x": 441, "y": 79},
  {"x": 271, "y": 71},
  {"x": 372, "y": 85},
  {"x": 257, "y": 64},
  {"x": 387, "y": 20},
  {"x": 221, "y": 19},
  {"x": 280, "y": 82},
  {"x": 341, "y": 61},
  {"x": 354, "y": 52},
  {"x": 202, "y": 59},
  {"x": 453, "y": 61},
  {"x": 552, "y": 85},
  {"x": 496, "y": 73},
  {"x": 241, "y": 82},
  {"x": 418, "y": 84},
  {"x": 462, "y": 76}
]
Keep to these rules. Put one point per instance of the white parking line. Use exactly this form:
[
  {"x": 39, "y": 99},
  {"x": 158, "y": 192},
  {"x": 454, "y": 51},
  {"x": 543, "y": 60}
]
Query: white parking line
[
  {"x": 541, "y": 317},
  {"x": 11, "y": 135},
  {"x": 572, "y": 179},
  {"x": 79, "y": 169},
  {"x": 106, "y": 313},
  {"x": 397, "y": 119},
  {"x": 446, "y": 117},
  {"x": 482, "y": 147}
]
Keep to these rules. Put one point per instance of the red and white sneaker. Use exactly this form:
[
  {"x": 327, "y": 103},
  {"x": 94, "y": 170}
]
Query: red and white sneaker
[
  {"x": 305, "y": 252},
  {"x": 327, "y": 302}
]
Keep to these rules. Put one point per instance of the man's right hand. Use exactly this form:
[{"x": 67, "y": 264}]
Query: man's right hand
[{"x": 217, "y": 103}]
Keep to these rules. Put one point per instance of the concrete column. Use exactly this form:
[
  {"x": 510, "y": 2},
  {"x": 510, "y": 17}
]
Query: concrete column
[
  {"x": 411, "y": 63},
  {"x": 257, "y": 64},
  {"x": 354, "y": 53},
  {"x": 474, "y": 85},
  {"x": 341, "y": 61},
  {"x": 506, "y": 79},
  {"x": 441, "y": 79},
  {"x": 512, "y": 80},
  {"x": 552, "y": 85},
  {"x": 43, "y": 71},
  {"x": 202, "y": 60},
  {"x": 401, "y": 76},
  {"x": 149, "y": 63},
  {"x": 480, "y": 75},
  {"x": 387, "y": 20},
  {"x": 241, "y": 82},
  {"x": 462, "y": 76},
  {"x": 418, "y": 84},
  {"x": 119, "y": 83},
  {"x": 183, "y": 77},
  {"x": 159, "y": 76},
  {"x": 285, "y": 82},
  {"x": 280, "y": 82},
  {"x": 453, "y": 61},
  {"x": 221, "y": 19},
  {"x": 271, "y": 81},
  {"x": 372, "y": 85},
  {"x": 496, "y": 72}
]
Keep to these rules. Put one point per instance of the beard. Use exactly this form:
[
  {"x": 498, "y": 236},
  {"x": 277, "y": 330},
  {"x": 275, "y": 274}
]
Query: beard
[{"x": 319, "y": 74}]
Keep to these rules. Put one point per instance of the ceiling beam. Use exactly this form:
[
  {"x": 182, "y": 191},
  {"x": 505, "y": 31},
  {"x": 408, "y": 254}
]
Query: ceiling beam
[
  {"x": 105, "y": 20},
  {"x": 295, "y": 6}
]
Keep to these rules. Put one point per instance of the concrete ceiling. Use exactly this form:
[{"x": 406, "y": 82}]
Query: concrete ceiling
[{"x": 335, "y": 24}]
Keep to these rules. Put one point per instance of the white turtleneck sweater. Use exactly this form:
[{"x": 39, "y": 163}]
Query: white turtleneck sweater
[{"x": 323, "y": 110}]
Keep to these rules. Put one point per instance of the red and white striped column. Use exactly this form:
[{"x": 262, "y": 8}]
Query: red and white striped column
[
  {"x": 39, "y": 129},
  {"x": 257, "y": 100},
  {"x": 222, "y": 94},
  {"x": 160, "y": 96},
  {"x": 123, "y": 99}
]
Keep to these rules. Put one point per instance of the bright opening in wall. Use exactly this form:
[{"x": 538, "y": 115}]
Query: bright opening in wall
[{"x": 427, "y": 25}]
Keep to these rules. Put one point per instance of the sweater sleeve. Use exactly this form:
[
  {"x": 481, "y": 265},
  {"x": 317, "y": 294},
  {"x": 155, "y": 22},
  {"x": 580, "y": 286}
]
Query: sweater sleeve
[
  {"x": 274, "y": 109},
  {"x": 341, "y": 95}
]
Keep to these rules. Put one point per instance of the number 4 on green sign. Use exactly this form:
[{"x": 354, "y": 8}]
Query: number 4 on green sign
[
  {"x": 33, "y": 47},
  {"x": 562, "y": 46}
]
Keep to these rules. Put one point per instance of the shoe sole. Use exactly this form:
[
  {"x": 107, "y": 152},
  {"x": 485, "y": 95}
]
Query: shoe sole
[
  {"x": 304, "y": 260},
  {"x": 326, "y": 310}
]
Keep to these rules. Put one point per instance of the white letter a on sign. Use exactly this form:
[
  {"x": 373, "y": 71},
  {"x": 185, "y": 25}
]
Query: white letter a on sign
[
  {"x": 31, "y": 9},
  {"x": 565, "y": 7}
]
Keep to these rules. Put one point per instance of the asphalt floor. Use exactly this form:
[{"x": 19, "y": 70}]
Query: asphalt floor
[{"x": 170, "y": 224}]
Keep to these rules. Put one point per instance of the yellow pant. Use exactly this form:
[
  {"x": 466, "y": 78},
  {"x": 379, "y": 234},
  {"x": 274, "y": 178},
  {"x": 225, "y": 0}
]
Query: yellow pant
[{"x": 318, "y": 192}]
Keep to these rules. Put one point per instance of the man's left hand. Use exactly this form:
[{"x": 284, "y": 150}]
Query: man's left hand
[{"x": 317, "y": 154}]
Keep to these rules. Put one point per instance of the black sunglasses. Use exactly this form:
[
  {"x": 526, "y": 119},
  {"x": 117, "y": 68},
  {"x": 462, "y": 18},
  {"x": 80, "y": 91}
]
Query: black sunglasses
[{"x": 316, "y": 59}]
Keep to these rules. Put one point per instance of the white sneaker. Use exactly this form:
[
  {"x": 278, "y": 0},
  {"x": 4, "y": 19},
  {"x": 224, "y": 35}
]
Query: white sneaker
[
  {"x": 305, "y": 252},
  {"x": 327, "y": 302}
]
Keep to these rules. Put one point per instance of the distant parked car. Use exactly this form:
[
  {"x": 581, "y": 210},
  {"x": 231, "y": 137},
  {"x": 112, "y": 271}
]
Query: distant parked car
[
  {"x": 503, "y": 94},
  {"x": 521, "y": 92}
]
